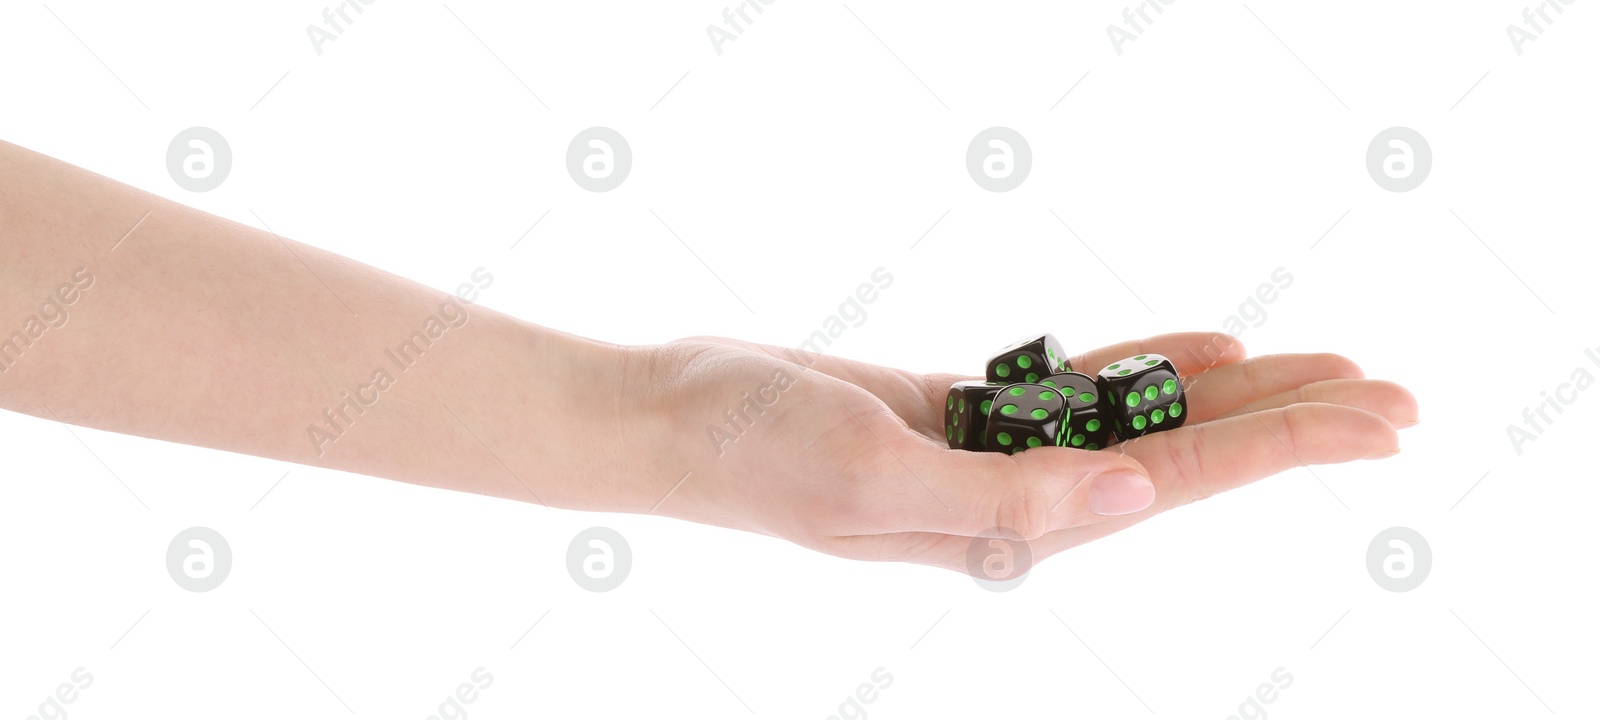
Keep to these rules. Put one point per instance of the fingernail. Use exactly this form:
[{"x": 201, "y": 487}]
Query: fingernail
[
  {"x": 1120, "y": 493},
  {"x": 1386, "y": 454}
]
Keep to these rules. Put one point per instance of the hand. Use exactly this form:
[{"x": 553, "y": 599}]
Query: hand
[{"x": 850, "y": 458}]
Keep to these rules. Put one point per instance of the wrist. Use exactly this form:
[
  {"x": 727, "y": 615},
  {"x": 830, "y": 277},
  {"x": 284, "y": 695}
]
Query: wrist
[
  {"x": 652, "y": 432},
  {"x": 601, "y": 421}
]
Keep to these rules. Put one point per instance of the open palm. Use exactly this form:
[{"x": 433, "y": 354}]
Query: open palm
[{"x": 850, "y": 458}]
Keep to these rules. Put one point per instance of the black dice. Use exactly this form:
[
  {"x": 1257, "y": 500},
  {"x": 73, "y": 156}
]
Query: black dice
[
  {"x": 1032, "y": 398},
  {"x": 1089, "y": 424},
  {"x": 1027, "y": 361},
  {"x": 1144, "y": 394},
  {"x": 1026, "y": 415},
  {"x": 966, "y": 413}
]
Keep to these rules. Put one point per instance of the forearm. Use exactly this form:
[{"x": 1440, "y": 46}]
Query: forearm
[{"x": 201, "y": 331}]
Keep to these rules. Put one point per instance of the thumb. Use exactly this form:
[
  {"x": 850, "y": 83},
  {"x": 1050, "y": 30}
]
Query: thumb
[{"x": 982, "y": 494}]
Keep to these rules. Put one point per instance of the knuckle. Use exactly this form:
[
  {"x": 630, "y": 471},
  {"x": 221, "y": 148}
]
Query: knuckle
[
  {"x": 1024, "y": 509},
  {"x": 1251, "y": 369},
  {"x": 1186, "y": 457},
  {"x": 1292, "y": 431}
]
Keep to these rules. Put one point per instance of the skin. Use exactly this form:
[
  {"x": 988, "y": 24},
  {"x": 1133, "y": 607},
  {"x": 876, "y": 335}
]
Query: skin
[{"x": 203, "y": 331}]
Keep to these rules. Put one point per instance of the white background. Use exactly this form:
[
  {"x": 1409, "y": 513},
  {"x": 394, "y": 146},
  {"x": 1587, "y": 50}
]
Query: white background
[{"x": 802, "y": 157}]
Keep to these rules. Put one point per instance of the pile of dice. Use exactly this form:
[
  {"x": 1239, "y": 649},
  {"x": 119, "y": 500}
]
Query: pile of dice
[{"x": 1031, "y": 397}]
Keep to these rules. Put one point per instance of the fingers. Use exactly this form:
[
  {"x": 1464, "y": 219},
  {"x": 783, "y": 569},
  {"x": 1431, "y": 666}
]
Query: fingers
[
  {"x": 1191, "y": 352},
  {"x": 1385, "y": 398},
  {"x": 1195, "y": 462},
  {"x": 1198, "y": 461},
  {"x": 934, "y": 490},
  {"x": 1223, "y": 389},
  {"x": 1187, "y": 464}
]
